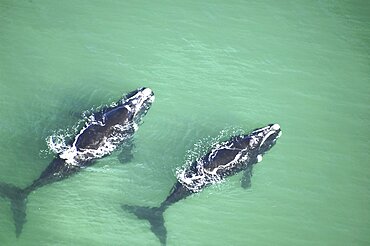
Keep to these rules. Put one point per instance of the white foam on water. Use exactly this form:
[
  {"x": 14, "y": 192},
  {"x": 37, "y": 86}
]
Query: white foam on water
[{"x": 57, "y": 143}]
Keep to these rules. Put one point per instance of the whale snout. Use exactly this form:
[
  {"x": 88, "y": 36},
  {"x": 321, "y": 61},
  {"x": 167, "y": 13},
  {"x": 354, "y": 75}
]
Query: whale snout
[
  {"x": 265, "y": 137},
  {"x": 275, "y": 127},
  {"x": 143, "y": 95},
  {"x": 269, "y": 136},
  {"x": 147, "y": 92},
  {"x": 139, "y": 101}
]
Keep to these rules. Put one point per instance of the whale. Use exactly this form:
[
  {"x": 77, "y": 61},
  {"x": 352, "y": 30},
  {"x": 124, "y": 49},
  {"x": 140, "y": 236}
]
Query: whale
[
  {"x": 103, "y": 132},
  {"x": 238, "y": 154}
]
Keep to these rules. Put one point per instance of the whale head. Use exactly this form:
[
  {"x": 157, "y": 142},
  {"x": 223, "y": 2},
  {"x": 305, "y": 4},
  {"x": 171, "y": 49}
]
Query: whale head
[
  {"x": 262, "y": 140},
  {"x": 138, "y": 102}
]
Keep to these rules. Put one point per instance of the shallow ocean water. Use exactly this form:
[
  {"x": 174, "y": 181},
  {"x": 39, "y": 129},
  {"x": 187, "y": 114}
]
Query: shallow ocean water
[{"x": 213, "y": 65}]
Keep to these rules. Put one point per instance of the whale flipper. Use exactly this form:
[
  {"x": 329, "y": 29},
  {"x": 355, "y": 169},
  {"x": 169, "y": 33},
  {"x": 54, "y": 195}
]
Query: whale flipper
[
  {"x": 155, "y": 217},
  {"x": 126, "y": 154},
  {"x": 18, "y": 200},
  {"x": 246, "y": 179}
]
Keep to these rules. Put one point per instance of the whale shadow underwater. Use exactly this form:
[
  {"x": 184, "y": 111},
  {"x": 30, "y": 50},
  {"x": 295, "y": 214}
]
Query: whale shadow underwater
[
  {"x": 104, "y": 132},
  {"x": 239, "y": 153}
]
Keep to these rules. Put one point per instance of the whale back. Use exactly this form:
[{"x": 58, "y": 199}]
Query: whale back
[{"x": 112, "y": 126}]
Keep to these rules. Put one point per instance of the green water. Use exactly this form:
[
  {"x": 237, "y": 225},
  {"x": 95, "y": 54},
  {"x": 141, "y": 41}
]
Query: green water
[{"x": 213, "y": 65}]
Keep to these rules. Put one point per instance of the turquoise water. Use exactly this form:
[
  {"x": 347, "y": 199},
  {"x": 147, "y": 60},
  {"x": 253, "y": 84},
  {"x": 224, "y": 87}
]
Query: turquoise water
[{"x": 213, "y": 65}]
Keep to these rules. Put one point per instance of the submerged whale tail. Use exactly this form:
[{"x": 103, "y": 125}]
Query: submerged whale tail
[
  {"x": 155, "y": 217},
  {"x": 18, "y": 200}
]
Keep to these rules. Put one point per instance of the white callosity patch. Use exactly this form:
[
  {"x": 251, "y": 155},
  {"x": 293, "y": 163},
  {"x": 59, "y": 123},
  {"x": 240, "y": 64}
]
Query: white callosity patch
[
  {"x": 138, "y": 102},
  {"x": 261, "y": 135},
  {"x": 265, "y": 137}
]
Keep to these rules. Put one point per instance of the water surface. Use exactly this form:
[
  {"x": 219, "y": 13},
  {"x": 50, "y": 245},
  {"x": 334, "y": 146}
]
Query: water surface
[{"x": 213, "y": 65}]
